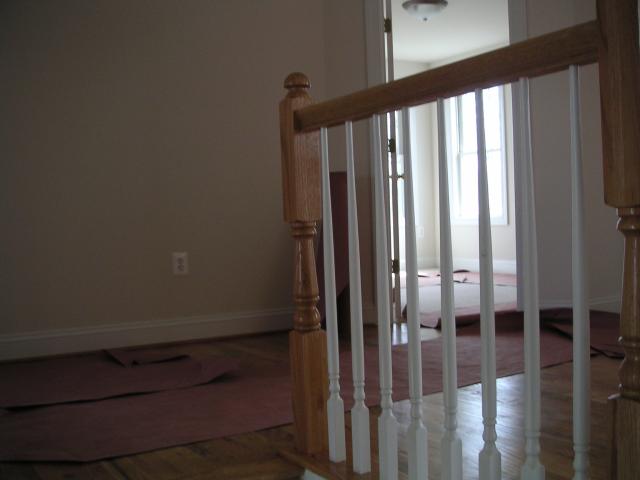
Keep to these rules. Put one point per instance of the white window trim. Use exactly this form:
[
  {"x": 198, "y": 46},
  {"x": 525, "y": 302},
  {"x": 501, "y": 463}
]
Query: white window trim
[{"x": 454, "y": 165}]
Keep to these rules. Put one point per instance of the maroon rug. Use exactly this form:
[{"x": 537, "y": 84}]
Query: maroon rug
[
  {"x": 102, "y": 375},
  {"x": 90, "y": 431},
  {"x": 241, "y": 402},
  {"x": 554, "y": 350},
  {"x": 501, "y": 279},
  {"x": 605, "y": 329},
  {"x": 464, "y": 315},
  {"x": 431, "y": 277}
]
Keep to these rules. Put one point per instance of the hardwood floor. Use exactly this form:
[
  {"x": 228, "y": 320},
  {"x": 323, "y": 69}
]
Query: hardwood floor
[
  {"x": 556, "y": 438},
  {"x": 255, "y": 455}
]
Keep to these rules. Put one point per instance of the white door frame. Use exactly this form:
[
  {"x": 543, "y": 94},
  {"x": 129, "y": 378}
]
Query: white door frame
[{"x": 375, "y": 40}]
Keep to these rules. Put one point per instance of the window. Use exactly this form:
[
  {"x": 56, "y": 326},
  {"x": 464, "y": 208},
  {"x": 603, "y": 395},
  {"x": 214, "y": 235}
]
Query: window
[{"x": 463, "y": 158}]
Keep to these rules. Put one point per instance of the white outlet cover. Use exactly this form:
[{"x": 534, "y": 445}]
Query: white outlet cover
[{"x": 180, "y": 263}]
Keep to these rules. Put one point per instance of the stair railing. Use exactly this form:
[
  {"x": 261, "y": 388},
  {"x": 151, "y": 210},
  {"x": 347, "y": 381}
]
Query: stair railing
[{"x": 612, "y": 41}]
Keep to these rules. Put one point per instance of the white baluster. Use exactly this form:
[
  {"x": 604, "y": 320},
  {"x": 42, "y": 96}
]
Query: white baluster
[
  {"x": 451, "y": 443},
  {"x": 359, "y": 413},
  {"x": 490, "y": 458},
  {"x": 581, "y": 343},
  {"x": 335, "y": 405},
  {"x": 532, "y": 468},
  {"x": 387, "y": 423},
  {"x": 417, "y": 434}
]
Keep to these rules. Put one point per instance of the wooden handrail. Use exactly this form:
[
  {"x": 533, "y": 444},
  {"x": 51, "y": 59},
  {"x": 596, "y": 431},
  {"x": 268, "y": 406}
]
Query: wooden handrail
[{"x": 539, "y": 56}]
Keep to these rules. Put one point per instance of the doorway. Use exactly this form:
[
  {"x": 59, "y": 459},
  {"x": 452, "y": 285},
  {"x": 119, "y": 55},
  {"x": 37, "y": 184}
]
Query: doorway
[{"x": 464, "y": 28}]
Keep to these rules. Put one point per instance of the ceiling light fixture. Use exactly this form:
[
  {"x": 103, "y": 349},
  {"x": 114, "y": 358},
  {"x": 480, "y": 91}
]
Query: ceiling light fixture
[{"x": 424, "y": 9}]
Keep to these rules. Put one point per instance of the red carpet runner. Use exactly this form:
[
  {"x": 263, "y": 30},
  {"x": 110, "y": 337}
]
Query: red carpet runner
[{"x": 239, "y": 402}]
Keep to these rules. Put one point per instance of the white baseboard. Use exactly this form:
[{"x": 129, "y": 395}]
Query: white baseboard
[
  {"x": 82, "y": 339},
  {"x": 473, "y": 264},
  {"x": 611, "y": 303}
]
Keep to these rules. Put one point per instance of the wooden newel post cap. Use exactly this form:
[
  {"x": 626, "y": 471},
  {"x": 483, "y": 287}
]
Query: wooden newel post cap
[
  {"x": 300, "y": 155},
  {"x": 297, "y": 81}
]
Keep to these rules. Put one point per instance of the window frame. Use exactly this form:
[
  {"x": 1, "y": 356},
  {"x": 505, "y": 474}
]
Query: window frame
[{"x": 454, "y": 159}]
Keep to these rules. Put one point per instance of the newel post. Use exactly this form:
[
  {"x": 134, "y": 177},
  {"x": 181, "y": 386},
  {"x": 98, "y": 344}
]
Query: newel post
[
  {"x": 620, "y": 103},
  {"x": 301, "y": 181}
]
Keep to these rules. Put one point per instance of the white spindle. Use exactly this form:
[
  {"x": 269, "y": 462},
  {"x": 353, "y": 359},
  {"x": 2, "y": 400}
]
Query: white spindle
[
  {"x": 581, "y": 344},
  {"x": 387, "y": 424},
  {"x": 335, "y": 405},
  {"x": 532, "y": 468},
  {"x": 451, "y": 443},
  {"x": 417, "y": 434},
  {"x": 490, "y": 458},
  {"x": 359, "y": 413},
  {"x": 395, "y": 227}
]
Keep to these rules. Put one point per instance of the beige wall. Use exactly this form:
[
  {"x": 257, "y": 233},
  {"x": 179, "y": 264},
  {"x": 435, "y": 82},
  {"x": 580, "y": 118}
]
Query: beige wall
[
  {"x": 133, "y": 129},
  {"x": 550, "y": 139},
  {"x": 425, "y": 166},
  {"x": 346, "y": 72}
]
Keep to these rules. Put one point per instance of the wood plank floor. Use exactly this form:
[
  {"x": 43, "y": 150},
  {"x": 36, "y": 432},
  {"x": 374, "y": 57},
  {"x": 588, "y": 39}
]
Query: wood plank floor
[{"x": 255, "y": 455}]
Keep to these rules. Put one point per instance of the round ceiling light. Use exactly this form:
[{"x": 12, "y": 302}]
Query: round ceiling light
[{"x": 424, "y": 9}]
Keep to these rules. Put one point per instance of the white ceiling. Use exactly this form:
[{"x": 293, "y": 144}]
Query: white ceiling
[{"x": 463, "y": 27}]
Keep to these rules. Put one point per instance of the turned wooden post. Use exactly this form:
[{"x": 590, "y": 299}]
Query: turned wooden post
[
  {"x": 301, "y": 181},
  {"x": 620, "y": 103}
]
